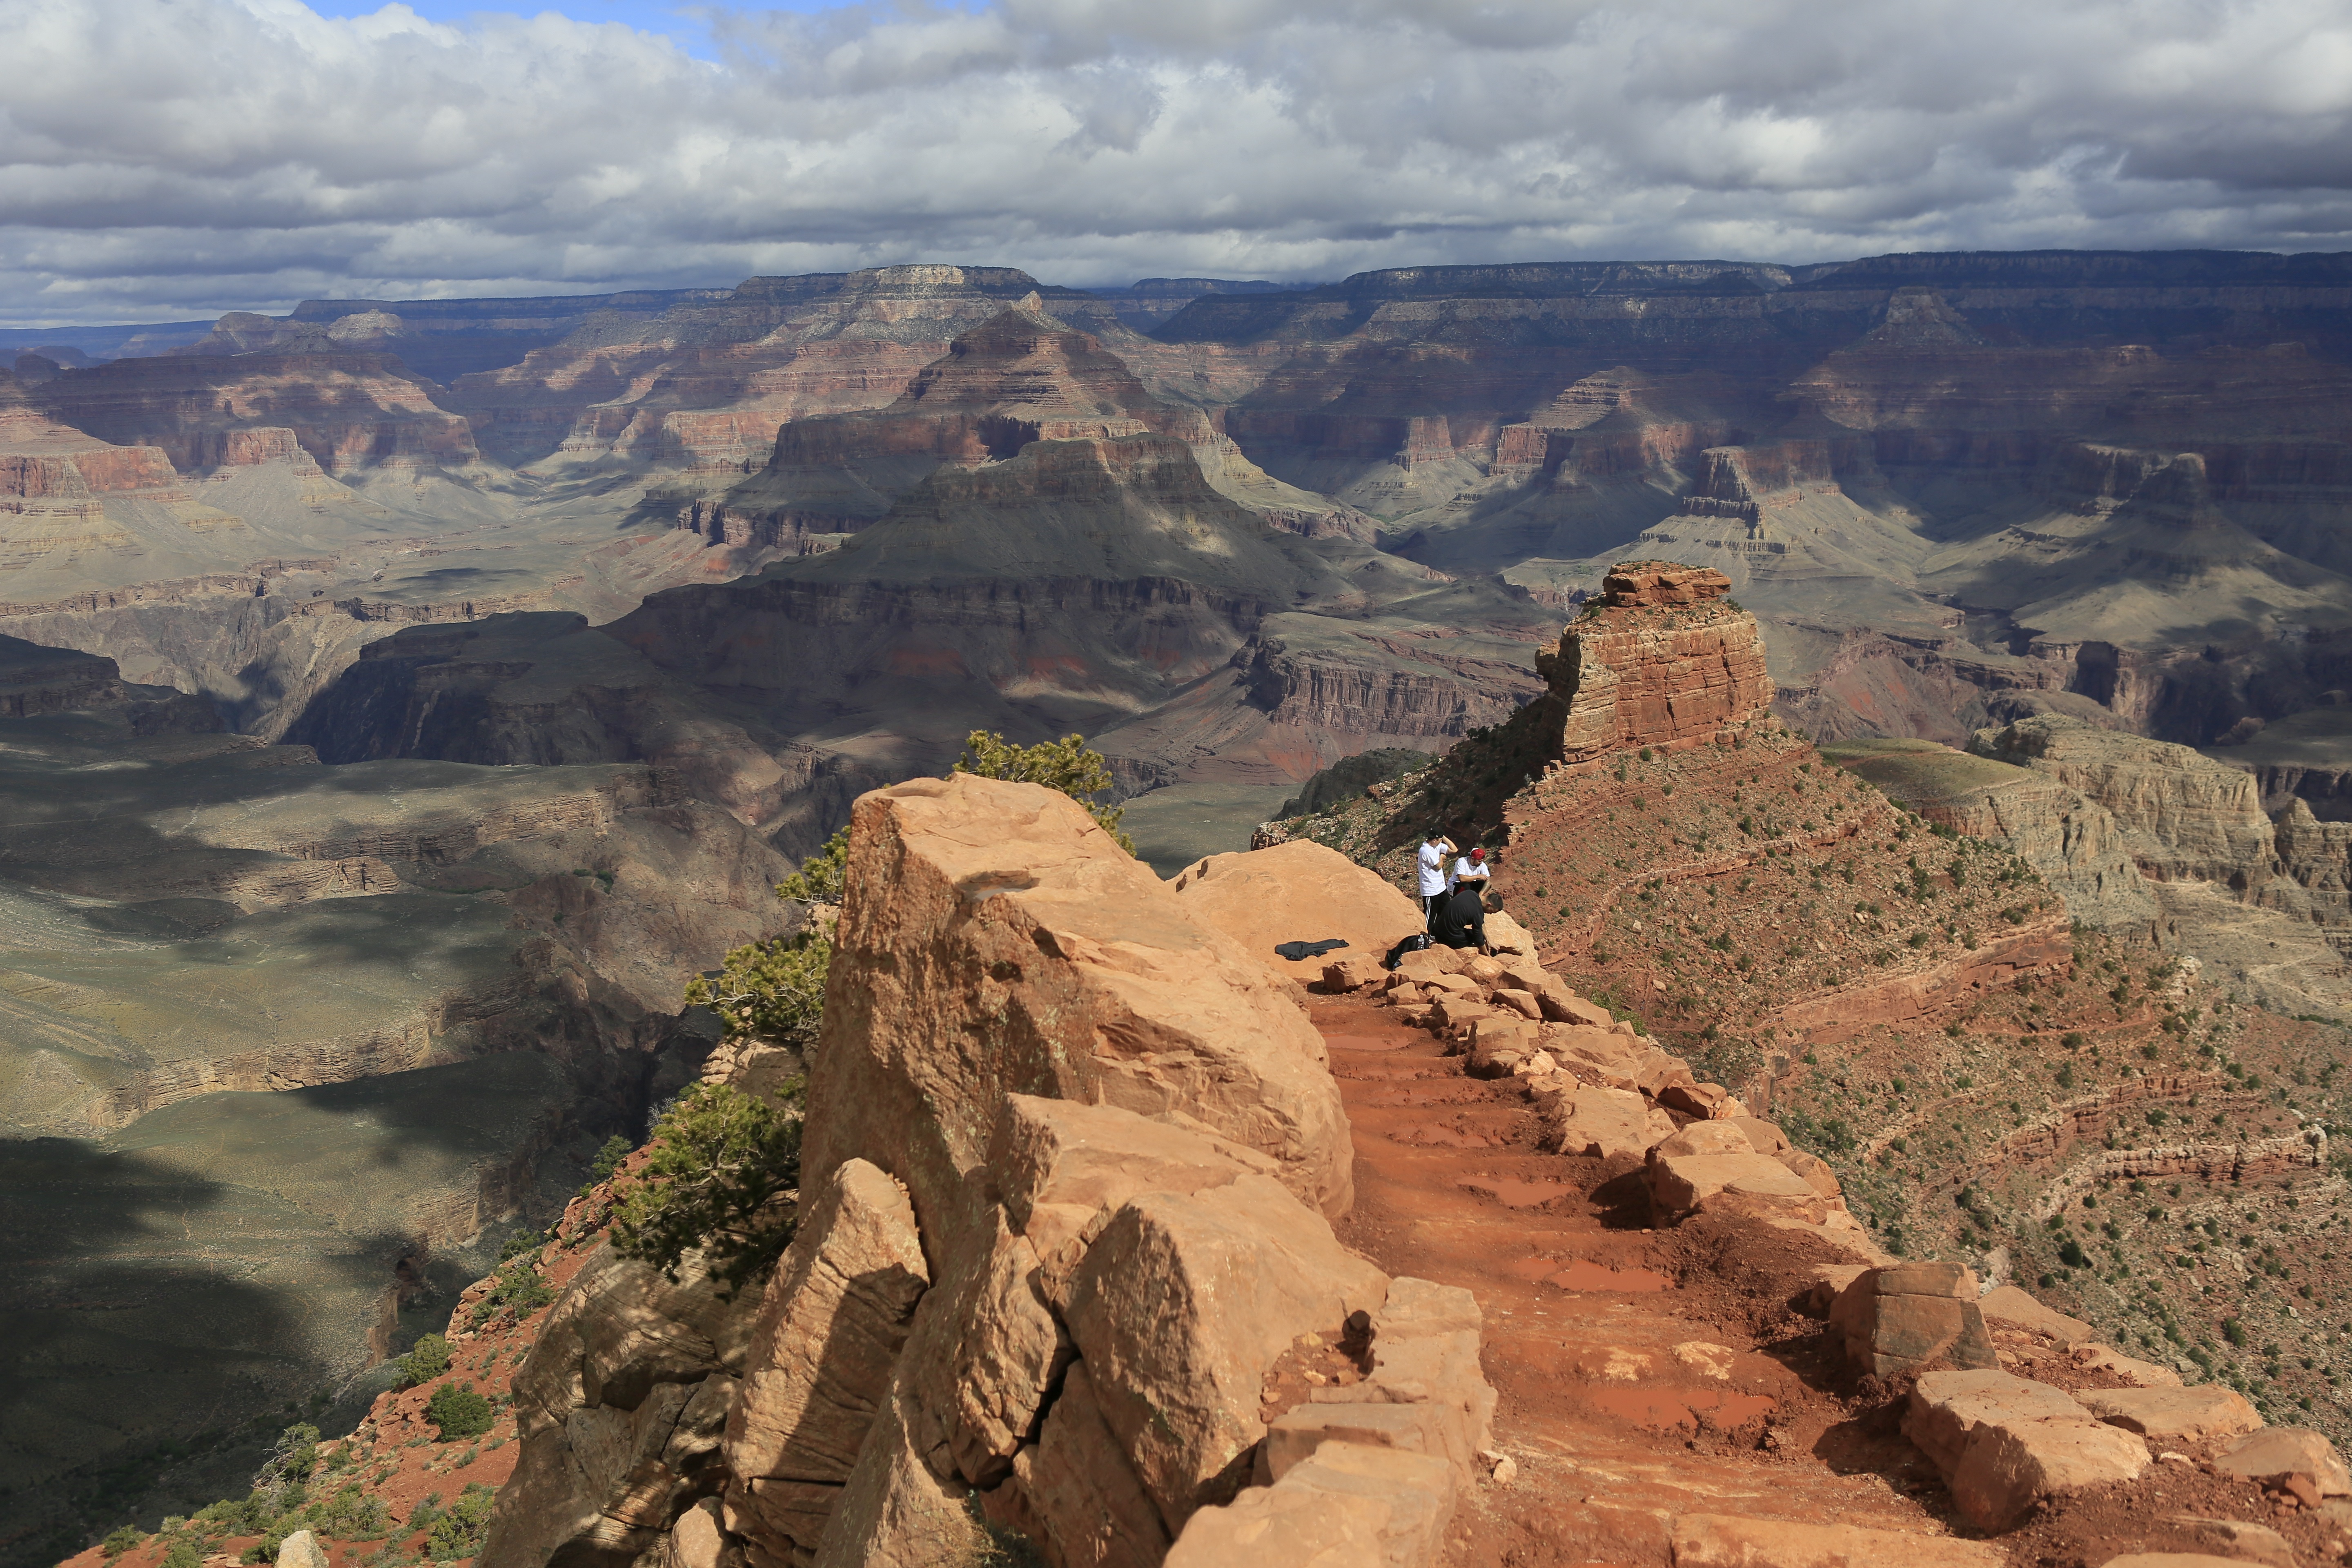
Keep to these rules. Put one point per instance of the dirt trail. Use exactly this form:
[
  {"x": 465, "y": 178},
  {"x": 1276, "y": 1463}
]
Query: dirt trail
[{"x": 1642, "y": 1375}]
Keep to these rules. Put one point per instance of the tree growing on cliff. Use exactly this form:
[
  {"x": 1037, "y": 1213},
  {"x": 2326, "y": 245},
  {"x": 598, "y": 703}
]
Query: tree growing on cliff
[
  {"x": 774, "y": 991},
  {"x": 1065, "y": 764},
  {"x": 724, "y": 1167}
]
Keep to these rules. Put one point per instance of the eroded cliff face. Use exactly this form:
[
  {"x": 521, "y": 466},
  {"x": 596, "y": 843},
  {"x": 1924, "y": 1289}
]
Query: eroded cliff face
[
  {"x": 707, "y": 383},
  {"x": 1019, "y": 377},
  {"x": 349, "y": 410}
]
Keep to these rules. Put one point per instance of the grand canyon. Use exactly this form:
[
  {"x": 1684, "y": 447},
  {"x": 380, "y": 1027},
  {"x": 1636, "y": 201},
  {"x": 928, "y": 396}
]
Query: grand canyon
[{"x": 1906, "y": 702}]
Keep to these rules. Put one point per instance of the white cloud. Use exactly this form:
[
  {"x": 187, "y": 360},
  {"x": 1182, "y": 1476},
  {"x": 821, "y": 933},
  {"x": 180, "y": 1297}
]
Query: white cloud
[{"x": 171, "y": 158}]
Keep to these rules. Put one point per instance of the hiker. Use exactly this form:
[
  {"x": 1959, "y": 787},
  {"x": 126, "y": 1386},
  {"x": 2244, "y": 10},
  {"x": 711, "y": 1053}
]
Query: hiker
[
  {"x": 1434, "y": 883},
  {"x": 1470, "y": 870},
  {"x": 1462, "y": 917}
]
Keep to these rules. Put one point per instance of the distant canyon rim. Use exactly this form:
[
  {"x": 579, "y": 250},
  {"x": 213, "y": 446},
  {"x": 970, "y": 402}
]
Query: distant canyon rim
[{"x": 403, "y": 699}]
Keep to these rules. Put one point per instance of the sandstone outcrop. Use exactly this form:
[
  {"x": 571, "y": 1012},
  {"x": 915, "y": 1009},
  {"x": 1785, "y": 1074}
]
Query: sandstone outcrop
[
  {"x": 2071, "y": 838},
  {"x": 2196, "y": 830},
  {"x": 349, "y": 410},
  {"x": 2186, "y": 817},
  {"x": 621, "y": 1407},
  {"x": 705, "y": 382},
  {"x": 1065, "y": 938},
  {"x": 1069, "y": 1156},
  {"x": 1298, "y": 891},
  {"x": 1018, "y": 377},
  {"x": 1626, "y": 675}
]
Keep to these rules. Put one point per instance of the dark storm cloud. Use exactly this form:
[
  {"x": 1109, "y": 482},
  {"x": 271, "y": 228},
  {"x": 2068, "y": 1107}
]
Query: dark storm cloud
[{"x": 170, "y": 158}]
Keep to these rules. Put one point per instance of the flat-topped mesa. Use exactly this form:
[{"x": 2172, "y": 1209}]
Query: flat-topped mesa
[{"x": 1662, "y": 660}]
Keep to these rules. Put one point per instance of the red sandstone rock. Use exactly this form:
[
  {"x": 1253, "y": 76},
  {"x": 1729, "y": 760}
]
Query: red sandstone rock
[
  {"x": 2011, "y": 1308},
  {"x": 1722, "y": 1541},
  {"x": 1353, "y": 975},
  {"x": 831, "y": 1323},
  {"x": 2280, "y": 1451},
  {"x": 1093, "y": 1512},
  {"x": 2007, "y": 1468},
  {"x": 2133, "y": 1371},
  {"x": 2174, "y": 1415},
  {"x": 348, "y": 410},
  {"x": 1347, "y": 1507},
  {"x": 1910, "y": 1315},
  {"x": 1947, "y": 1407},
  {"x": 1604, "y": 1124},
  {"x": 1182, "y": 1306},
  {"x": 1663, "y": 663},
  {"x": 1746, "y": 1181},
  {"x": 1047, "y": 956},
  {"x": 1298, "y": 891}
]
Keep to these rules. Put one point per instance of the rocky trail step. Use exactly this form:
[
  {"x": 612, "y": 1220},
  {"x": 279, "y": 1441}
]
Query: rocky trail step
[{"x": 1629, "y": 1403}]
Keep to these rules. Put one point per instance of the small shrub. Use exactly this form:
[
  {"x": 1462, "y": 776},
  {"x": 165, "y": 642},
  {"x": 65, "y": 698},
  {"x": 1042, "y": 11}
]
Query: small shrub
[
  {"x": 427, "y": 1360},
  {"x": 121, "y": 1541},
  {"x": 458, "y": 1532},
  {"x": 459, "y": 1413},
  {"x": 519, "y": 1286},
  {"x": 721, "y": 1161}
]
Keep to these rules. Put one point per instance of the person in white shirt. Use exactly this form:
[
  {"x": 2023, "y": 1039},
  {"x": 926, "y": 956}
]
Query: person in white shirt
[
  {"x": 1472, "y": 868},
  {"x": 1434, "y": 883}
]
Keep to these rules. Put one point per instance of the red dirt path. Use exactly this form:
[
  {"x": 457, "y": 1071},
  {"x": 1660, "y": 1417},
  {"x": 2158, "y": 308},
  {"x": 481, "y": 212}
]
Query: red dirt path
[{"x": 1642, "y": 1375}]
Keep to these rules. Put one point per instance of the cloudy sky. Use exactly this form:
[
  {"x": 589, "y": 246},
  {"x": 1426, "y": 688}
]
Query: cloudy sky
[{"x": 169, "y": 159}]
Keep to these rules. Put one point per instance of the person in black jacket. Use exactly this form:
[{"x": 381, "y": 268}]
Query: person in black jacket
[{"x": 1462, "y": 917}]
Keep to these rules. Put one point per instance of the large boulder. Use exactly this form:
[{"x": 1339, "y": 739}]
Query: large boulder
[
  {"x": 2274, "y": 1455},
  {"x": 831, "y": 1323},
  {"x": 1181, "y": 1309},
  {"x": 1947, "y": 1407},
  {"x": 1912, "y": 1315},
  {"x": 1739, "y": 1181},
  {"x": 2004, "y": 1442},
  {"x": 1604, "y": 1124},
  {"x": 2009, "y": 1467},
  {"x": 2196, "y": 1415},
  {"x": 994, "y": 940},
  {"x": 1298, "y": 891}
]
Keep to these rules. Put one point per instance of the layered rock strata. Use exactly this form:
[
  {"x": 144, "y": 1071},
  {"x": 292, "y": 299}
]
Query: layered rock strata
[
  {"x": 1627, "y": 674},
  {"x": 349, "y": 411}
]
